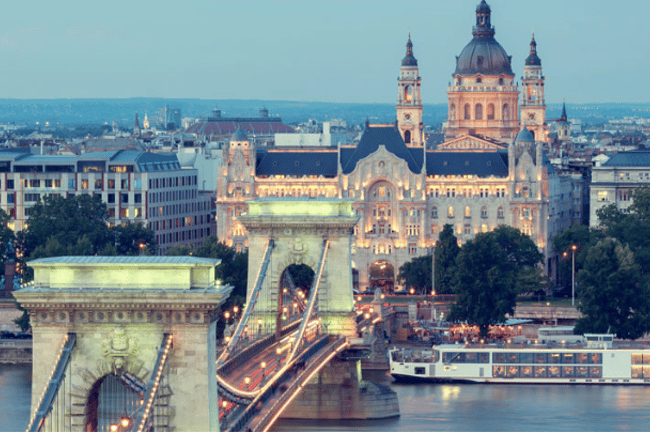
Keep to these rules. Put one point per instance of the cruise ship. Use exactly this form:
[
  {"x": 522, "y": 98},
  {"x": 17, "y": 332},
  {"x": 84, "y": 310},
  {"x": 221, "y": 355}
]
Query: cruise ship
[{"x": 596, "y": 360}]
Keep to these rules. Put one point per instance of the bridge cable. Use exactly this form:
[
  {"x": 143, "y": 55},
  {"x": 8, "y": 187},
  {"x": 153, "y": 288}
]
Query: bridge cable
[
  {"x": 153, "y": 385},
  {"x": 313, "y": 296},
  {"x": 261, "y": 274},
  {"x": 52, "y": 387}
]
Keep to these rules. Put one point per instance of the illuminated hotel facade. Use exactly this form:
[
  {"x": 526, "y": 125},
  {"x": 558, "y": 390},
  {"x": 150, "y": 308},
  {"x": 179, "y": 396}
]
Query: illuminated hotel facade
[{"x": 489, "y": 171}]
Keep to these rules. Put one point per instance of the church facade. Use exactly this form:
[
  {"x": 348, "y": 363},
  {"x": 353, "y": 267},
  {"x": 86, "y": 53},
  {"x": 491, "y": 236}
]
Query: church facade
[{"x": 491, "y": 169}]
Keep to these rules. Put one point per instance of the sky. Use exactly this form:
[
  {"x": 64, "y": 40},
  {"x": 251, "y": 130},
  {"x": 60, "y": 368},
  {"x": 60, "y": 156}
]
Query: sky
[{"x": 348, "y": 51}]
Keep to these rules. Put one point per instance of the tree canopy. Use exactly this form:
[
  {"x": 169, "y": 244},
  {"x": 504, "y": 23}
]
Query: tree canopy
[
  {"x": 613, "y": 268},
  {"x": 7, "y": 241},
  {"x": 446, "y": 252},
  {"x": 416, "y": 274},
  {"x": 78, "y": 225},
  {"x": 614, "y": 296},
  {"x": 491, "y": 270}
]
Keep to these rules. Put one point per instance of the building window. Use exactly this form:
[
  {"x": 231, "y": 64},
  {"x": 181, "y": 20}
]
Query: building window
[
  {"x": 450, "y": 212},
  {"x": 467, "y": 229},
  {"x": 413, "y": 249},
  {"x": 478, "y": 112},
  {"x": 467, "y": 112},
  {"x": 468, "y": 212},
  {"x": 484, "y": 228},
  {"x": 602, "y": 196},
  {"x": 434, "y": 229},
  {"x": 500, "y": 212},
  {"x": 434, "y": 212},
  {"x": 484, "y": 212},
  {"x": 490, "y": 112}
]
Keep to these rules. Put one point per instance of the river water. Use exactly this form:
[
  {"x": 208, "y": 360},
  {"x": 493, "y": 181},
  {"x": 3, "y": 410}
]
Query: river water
[{"x": 440, "y": 407}]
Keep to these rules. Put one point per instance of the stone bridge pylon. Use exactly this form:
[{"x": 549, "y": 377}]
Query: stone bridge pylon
[
  {"x": 299, "y": 229},
  {"x": 144, "y": 336}
]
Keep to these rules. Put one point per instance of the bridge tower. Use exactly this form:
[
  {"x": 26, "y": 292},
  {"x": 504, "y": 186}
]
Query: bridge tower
[
  {"x": 299, "y": 229},
  {"x": 147, "y": 324}
]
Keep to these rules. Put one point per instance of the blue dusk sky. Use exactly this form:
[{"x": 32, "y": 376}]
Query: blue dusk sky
[{"x": 334, "y": 50}]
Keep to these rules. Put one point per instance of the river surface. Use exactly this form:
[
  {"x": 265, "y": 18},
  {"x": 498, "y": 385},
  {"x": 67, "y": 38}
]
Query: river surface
[{"x": 440, "y": 407}]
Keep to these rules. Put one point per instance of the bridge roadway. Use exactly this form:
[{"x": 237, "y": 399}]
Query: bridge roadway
[{"x": 276, "y": 381}]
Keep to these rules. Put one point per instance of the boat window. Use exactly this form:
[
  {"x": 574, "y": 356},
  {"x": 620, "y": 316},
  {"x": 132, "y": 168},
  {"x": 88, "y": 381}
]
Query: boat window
[
  {"x": 483, "y": 357},
  {"x": 513, "y": 371},
  {"x": 420, "y": 370},
  {"x": 498, "y": 358},
  {"x": 596, "y": 372},
  {"x": 541, "y": 358},
  {"x": 568, "y": 358},
  {"x": 541, "y": 371},
  {"x": 596, "y": 358},
  {"x": 554, "y": 358},
  {"x": 582, "y": 371},
  {"x": 640, "y": 358},
  {"x": 554, "y": 372},
  {"x": 513, "y": 358},
  {"x": 527, "y": 371},
  {"x": 568, "y": 371},
  {"x": 582, "y": 358},
  {"x": 436, "y": 356},
  {"x": 498, "y": 370},
  {"x": 526, "y": 358}
]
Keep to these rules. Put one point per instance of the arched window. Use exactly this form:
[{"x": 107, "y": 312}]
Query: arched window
[
  {"x": 467, "y": 112},
  {"x": 407, "y": 137},
  {"x": 452, "y": 112},
  {"x": 500, "y": 212},
  {"x": 478, "y": 112},
  {"x": 484, "y": 212},
  {"x": 525, "y": 192},
  {"x": 450, "y": 212},
  {"x": 408, "y": 94},
  {"x": 434, "y": 212},
  {"x": 490, "y": 112},
  {"x": 505, "y": 112},
  {"x": 468, "y": 212}
]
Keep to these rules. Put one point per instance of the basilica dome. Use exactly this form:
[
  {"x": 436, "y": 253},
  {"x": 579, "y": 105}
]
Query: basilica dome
[{"x": 483, "y": 55}]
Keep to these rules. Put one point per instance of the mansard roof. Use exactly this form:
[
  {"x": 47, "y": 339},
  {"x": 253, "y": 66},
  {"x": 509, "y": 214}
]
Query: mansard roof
[
  {"x": 633, "y": 158},
  {"x": 388, "y": 136},
  {"x": 455, "y": 163},
  {"x": 297, "y": 162}
]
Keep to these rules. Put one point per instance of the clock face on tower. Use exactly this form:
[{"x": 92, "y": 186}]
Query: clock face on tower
[{"x": 407, "y": 116}]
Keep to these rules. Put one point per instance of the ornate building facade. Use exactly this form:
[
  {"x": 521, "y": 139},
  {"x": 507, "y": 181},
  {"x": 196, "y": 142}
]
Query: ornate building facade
[{"x": 490, "y": 170}]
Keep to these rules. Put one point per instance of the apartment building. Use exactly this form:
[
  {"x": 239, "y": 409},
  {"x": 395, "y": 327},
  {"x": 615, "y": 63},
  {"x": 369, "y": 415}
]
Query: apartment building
[{"x": 137, "y": 187}]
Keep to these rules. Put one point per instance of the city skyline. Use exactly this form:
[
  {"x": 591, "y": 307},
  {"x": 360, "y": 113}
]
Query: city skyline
[{"x": 307, "y": 51}]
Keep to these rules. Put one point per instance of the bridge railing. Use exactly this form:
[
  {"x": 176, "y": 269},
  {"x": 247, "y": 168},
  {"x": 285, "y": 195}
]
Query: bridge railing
[{"x": 256, "y": 405}]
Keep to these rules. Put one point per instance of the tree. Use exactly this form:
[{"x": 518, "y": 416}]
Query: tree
[
  {"x": 133, "y": 239},
  {"x": 614, "y": 295},
  {"x": 302, "y": 275},
  {"x": 492, "y": 269},
  {"x": 583, "y": 238},
  {"x": 67, "y": 219},
  {"x": 416, "y": 274},
  {"x": 7, "y": 241},
  {"x": 485, "y": 287},
  {"x": 446, "y": 252}
]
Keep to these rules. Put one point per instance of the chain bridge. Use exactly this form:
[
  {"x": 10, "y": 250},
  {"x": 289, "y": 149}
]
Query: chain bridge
[{"x": 129, "y": 343}]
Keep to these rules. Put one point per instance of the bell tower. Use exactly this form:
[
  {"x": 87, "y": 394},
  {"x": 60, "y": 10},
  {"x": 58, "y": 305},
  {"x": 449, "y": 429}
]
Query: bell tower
[
  {"x": 409, "y": 103},
  {"x": 533, "y": 107}
]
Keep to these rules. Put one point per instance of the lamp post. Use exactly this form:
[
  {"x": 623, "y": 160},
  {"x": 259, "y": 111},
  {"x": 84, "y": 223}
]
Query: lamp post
[{"x": 573, "y": 274}]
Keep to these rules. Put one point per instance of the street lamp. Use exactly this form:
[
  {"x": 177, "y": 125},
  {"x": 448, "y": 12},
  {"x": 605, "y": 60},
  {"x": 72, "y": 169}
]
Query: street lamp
[{"x": 573, "y": 272}]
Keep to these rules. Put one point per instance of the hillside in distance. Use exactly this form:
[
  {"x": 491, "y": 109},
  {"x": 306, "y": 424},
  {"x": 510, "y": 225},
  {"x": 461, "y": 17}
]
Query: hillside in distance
[{"x": 68, "y": 112}]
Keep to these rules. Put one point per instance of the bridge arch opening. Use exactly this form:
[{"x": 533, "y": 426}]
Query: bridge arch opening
[
  {"x": 112, "y": 400},
  {"x": 382, "y": 274},
  {"x": 296, "y": 280}
]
